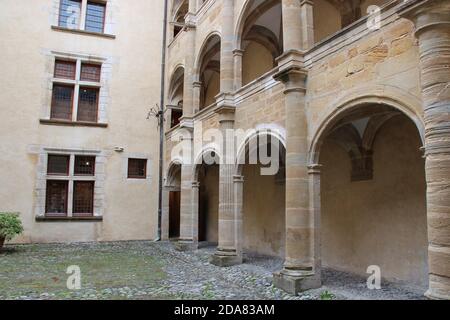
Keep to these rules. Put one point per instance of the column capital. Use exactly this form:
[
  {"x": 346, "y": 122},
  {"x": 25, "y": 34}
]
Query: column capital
[
  {"x": 238, "y": 52},
  {"x": 187, "y": 123},
  {"x": 195, "y": 185},
  {"x": 226, "y": 113},
  {"x": 314, "y": 169},
  {"x": 225, "y": 101},
  {"x": 294, "y": 78},
  {"x": 197, "y": 84},
  {"x": 238, "y": 179},
  {"x": 426, "y": 14}
]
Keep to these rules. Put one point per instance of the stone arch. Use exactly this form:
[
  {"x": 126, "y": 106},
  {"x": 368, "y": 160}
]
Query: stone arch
[
  {"x": 259, "y": 36},
  {"x": 201, "y": 52},
  {"x": 275, "y": 132},
  {"x": 243, "y": 15},
  {"x": 207, "y": 69},
  {"x": 395, "y": 98},
  {"x": 205, "y": 152},
  {"x": 384, "y": 201},
  {"x": 173, "y": 169}
]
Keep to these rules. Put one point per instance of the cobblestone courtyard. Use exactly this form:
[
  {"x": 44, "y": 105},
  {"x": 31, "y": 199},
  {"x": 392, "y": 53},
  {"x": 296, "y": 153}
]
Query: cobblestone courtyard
[{"x": 148, "y": 270}]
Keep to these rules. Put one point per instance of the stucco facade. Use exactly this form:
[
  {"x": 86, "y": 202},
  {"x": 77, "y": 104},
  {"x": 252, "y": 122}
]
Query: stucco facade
[
  {"x": 354, "y": 93},
  {"x": 129, "y": 51}
]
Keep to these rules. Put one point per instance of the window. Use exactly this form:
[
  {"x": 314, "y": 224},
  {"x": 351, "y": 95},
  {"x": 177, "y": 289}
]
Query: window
[
  {"x": 69, "y": 14},
  {"x": 95, "y": 17},
  {"x": 137, "y": 168},
  {"x": 62, "y": 102},
  {"x": 83, "y": 198},
  {"x": 65, "y": 69},
  {"x": 60, "y": 180},
  {"x": 58, "y": 165},
  {"x": 84, "y": 166},
  {"x": 90, "y": 72},
  {"x": 176, "y": 116},
  {"x": 56, "y": 199},
  {"x": 82, "y": 14},
  {"x": 72, "y": 100}
]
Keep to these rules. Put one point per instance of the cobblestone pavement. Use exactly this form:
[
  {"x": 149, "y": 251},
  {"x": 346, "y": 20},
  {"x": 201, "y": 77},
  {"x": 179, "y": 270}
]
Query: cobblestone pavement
[{"x": 148, "y": 270}]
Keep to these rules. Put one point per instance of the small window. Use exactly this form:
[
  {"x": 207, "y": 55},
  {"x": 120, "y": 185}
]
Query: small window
[
  {"x": 90, "y": 72},
  {"x": 83, "y": 198},
  {"x": 69, "y": 14},
  {"x": 95, "y": 17},
  {"x": 84, "y": 166},
  {"x": 88, "y": 104},
  {"x": 137, "y": 168},
  {"x": 56, "y": 198},
  {"x": 65, "y": 69},
  {"x": 176, "y": 117},
  {"x": 62, "y": 102},
  {"x": 58, "y": 165}
]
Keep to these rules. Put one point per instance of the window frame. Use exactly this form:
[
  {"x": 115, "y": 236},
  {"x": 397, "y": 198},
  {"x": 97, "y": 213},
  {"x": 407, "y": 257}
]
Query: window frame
[
  {"x": 71, "y": 180},
  {"x": 83, "y": 16},
  {"x": 66, "y": 204},
  {"x": 77, "y": 84},
  {"x": 104, "y": 4},
  {"x": 137, "y": 177}
]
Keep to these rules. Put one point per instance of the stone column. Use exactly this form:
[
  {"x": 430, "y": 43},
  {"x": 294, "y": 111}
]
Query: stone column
[
  {"x": 299, "y": 271},
  {"x": 196, "y": 96},
  {"x": 227, "y": 253},
  {"x": 226, "y": 48},
  {"x": 188, "y": 211},
  {"x": 292, "y": 24},
  {"x": 307, "y": 21},
  {"x": 238, "y": 213},
  {"x": 237, "y": 53},
  {"x": 432, "y": 22},
  {"x": 189, "y": 64},
  {"x": 165, "y": 215}
]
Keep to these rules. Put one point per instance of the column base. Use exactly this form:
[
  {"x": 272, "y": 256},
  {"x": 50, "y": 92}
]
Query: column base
[
  {"x": 225, "y": 259},
  {"x": 296, "y": 284},
  {"x": 435, "y": 295},
  {"x": 183, "y": 245}
]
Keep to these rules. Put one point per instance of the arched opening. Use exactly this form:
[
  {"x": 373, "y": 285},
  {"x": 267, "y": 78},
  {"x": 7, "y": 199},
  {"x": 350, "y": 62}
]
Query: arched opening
[
  {"x": 261, "y": 38},
  {"x": 176, "y": 91},
  {"x": 173, "y": 186},
  {"x": 373, "y": 195},
  {"x": 331, "y": 16},
  {"x": 179, "y": 10},
  {"x": 209, "y": 71},
  {"x": 208, "y": 207},
  {"x": 264, "y": 190}
]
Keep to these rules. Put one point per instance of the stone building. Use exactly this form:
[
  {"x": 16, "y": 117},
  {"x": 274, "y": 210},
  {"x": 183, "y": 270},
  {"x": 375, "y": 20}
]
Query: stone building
[{"x": 355, "y": 93}]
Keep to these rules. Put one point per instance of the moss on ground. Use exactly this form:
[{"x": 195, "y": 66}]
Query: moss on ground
[{"x": 108, "y": 271}]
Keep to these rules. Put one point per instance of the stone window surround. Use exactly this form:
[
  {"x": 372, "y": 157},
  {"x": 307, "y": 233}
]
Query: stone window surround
[
  {"x": 143, "y": 156},
  {"x": 42, "y": 177},
  {"x": 103, "y": 85},
  {"x": 109, "y": 24}
]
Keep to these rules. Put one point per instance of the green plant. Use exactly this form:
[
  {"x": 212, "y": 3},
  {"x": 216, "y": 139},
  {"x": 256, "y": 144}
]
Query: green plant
[
  {"x": 10, "y": 226},
  {"x": 326, "y": 295}
]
